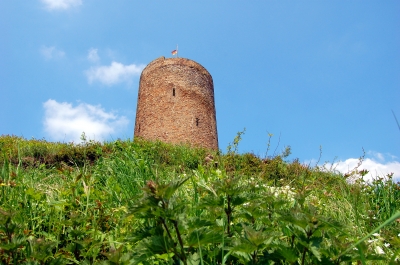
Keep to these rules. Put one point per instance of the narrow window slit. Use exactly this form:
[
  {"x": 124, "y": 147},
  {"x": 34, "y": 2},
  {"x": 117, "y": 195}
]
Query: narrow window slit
[
  {"x": 197, "y": 121},
  {"x": 173, "y": 91}
]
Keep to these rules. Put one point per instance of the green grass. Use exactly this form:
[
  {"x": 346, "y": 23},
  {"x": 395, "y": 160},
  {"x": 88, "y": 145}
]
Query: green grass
[{"x": 139, "y": 202}]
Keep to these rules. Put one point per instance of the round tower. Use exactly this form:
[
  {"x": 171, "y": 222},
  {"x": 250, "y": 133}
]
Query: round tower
[{"x": 176, "y": 103}]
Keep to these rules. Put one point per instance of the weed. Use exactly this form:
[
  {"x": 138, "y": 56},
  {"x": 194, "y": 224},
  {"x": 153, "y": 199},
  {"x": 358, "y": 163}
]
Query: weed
[{"x": 139, "y": 202}]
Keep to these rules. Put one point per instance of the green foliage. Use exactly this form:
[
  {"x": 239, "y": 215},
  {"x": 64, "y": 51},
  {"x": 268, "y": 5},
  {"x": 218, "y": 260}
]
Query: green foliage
[
  {"x": 139, "y": 202},
  {"x": 34, "y": 153}
]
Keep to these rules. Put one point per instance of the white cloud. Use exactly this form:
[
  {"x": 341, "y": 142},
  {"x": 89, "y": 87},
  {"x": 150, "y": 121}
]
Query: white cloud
[
  {"x": 51, "y": 52},
  {"x": 113, "y": 74},
  {"x": 377, "y": 166},
  {"x": 93, "y": 56},
  {"x": 61, "y": 4},
  {"x": 63, "y": 122}
]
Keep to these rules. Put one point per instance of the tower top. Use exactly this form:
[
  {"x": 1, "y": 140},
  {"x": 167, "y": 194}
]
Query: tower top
[{"x": 162, "y": 61}]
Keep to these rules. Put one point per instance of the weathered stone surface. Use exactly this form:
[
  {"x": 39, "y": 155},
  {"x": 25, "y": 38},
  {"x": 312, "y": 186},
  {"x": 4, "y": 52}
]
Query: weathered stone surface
[{"x": 176, "y": 103}]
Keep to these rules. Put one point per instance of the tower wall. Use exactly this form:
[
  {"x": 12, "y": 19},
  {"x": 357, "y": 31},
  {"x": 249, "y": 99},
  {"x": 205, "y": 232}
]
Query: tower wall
[{"x": 176, "y": 103}]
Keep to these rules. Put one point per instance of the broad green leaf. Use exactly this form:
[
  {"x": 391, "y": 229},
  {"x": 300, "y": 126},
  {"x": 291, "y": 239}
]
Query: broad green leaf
[
  {"x": 287, "y": 253},
  {"x": 33, "y": 193},
  {"x": 172, "y": 187},
  {"x": 203, "y": 236},
  {"x": 165, "y": 256},
  {"x": 193, "y": 259}
]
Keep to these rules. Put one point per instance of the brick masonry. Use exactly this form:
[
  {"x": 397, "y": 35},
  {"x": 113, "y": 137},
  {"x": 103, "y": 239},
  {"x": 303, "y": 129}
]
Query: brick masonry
[{"x": 176, "y": 103}]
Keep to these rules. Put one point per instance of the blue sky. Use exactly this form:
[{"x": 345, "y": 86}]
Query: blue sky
[{"x": 312, "y": 73}]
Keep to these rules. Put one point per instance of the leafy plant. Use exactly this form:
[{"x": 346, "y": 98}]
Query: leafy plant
[{"x": 140, "y": 202}]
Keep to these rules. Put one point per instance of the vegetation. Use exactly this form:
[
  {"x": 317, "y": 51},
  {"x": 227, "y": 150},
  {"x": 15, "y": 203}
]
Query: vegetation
[{"x": 138, "y": 202}]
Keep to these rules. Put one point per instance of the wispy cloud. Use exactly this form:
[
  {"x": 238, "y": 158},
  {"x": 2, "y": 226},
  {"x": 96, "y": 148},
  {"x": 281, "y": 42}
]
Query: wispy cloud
[
  {"x": 93, "y": 56},
  {"x": 51, "y": 52},
  {"x": 61, "y": 4},
  {"x": 113, "y": 74},
  {"x": 64, "y": 122}
]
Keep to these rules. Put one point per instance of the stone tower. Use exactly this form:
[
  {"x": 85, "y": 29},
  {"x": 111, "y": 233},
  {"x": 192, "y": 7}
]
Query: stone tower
[{"x": 176, "y": 103}]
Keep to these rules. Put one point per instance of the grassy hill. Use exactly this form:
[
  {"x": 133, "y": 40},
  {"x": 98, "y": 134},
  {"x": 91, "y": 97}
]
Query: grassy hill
[{"x": 139, "y": 202}]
